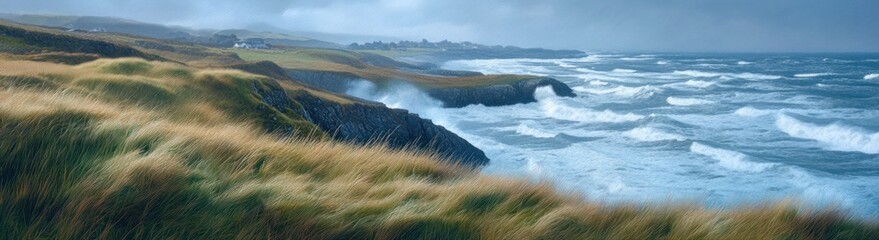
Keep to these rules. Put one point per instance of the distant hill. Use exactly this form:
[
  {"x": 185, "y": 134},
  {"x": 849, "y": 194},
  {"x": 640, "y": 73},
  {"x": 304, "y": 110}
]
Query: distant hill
[
  {"x": 426, "y": 51},
  {"x": 158, "y": 31},
  {"x": 282, "y": 39}
]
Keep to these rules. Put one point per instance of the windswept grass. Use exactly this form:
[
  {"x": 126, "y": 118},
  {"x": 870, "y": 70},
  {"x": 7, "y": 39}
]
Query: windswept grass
[{"x": 80, "y": 161}]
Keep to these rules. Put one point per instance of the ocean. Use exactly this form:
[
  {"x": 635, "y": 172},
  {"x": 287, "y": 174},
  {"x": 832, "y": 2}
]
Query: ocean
[{"x": 715, "y": 129}]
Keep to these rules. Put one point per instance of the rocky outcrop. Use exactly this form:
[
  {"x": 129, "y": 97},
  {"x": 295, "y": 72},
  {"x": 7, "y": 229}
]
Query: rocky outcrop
[
  {"x": 327, "y": 80},
  {"x": 364, "y": 123},
  {"x": 498, "y": 95}
]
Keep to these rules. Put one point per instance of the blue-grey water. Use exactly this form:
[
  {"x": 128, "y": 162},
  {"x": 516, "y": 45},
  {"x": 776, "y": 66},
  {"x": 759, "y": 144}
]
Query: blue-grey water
[{"x": 717, "y": 129}]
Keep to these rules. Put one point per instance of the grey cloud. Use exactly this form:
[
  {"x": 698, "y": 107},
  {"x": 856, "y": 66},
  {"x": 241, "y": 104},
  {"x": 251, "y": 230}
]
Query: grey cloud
[{"x": 635, "y": 25}]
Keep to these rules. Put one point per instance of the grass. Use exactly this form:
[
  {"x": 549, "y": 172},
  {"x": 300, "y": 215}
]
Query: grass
[
  {"x": 364, "y": 66},
  {"x": 181, "y": 159},
  {"x": 411, "y": 52}
]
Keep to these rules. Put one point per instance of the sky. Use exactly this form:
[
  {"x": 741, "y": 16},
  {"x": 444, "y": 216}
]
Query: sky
[{"x": 592, "y": 25}]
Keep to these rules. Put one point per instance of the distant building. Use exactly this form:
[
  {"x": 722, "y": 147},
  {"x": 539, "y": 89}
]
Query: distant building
[{"x": 252, "y": 43}]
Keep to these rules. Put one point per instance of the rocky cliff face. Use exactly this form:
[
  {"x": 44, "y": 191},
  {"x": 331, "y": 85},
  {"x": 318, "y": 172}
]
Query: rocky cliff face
[
  {"x": 498, "y": 95},
  {"x": 292, "y": 113},
  {"x": 494, "y": 95},
  {"x": 363, "y": 123},
  {"x": 331, "y": 81}
]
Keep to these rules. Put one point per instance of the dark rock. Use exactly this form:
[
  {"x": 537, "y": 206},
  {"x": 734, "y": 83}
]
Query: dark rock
[
  {"x": 337, "y": 82},
  {"x": 498, "y": 95},
  {"x": 277, "y": 104},
  {"x": 364, "y": 123}
]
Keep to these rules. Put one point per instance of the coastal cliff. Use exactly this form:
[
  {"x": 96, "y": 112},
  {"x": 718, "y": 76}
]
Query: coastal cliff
[
  {"x": 498, "y": 95},
  {"x": 357, "y": 121},
  {"x": 364, "y": 123},
  {"x": 515, "y": 92}
]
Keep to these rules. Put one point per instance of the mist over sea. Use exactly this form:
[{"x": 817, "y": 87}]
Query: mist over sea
[{"x": 716, "y": 129}]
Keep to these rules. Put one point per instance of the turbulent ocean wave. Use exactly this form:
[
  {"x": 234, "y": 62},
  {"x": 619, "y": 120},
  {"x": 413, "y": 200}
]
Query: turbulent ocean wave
[
  {"x": 837, "y": 136},
  {"x": 676, "y": 101},
  {"x": 649, "y": 134},
  {"x": 730, "y": 159},
  {"x": 811, "y": 75},
  {"x": 692, "y": 127}
]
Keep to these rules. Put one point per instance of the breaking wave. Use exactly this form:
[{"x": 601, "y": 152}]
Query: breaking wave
[
  {"x": 525, "y": 129},
  {"x": 811, "y": 75},
  {"x": 675, "y": 101},
  {"x": 622, "y": 70},
  {"x": 648, "y": 134},
  {"x": 698, "y": 83},
  {"x": 554, "y": 108},
  {"x": 623, "y": 91},
  {"x": 731, "y": 160},
  {"x": 746, "y": 75},
  {"x": 837, "y": 136},
  {"x": 871, "y": 76},
  {"x": 753, "y": 112}
]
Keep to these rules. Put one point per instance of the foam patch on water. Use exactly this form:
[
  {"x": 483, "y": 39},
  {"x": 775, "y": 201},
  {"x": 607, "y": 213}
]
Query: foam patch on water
[
  {"x": 812, "y": 75},
  {"x": 648, "y": 134},
  {"x": 676, "y": 101},
  {"x": 500, "y": 66},
  {"x": 729, "y": 159},
  {"x": 597, "y": 83},
  {"x": 746, "y": 75},
  {"x": 661, "y": 62},
  {"x": 837, "y": 136},
  {"x": 623, "y": 91},
  {"x": 623, "y": 70},
  {"x": 744, "y": 63},
  {"x": 871, "y": 76},
  {"x": 753, "y": 112},
  {"x": 698, "y": 83},
  {"x": 554, "y": 108},
  {"x": 525, "y": 128}
]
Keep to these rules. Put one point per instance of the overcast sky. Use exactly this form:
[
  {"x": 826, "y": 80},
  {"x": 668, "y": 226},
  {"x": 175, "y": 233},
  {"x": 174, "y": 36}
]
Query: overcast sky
[{"x": 623, "y": 25}]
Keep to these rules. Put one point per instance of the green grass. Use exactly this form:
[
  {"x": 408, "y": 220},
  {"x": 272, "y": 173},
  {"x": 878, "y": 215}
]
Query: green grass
[
  {"x": 185, "y": 156},
  {"x": 367, "y": 66},
  {"x": 397, "y": 54}
]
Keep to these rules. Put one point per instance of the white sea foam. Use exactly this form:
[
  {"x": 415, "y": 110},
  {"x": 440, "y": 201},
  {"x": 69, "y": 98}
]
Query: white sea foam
[
  {"x": 871, "y": 76},
  {"x": 744, "y": 63},
  {"x": 753, "y": 112},
  {"x": 676, "y": 101},
  {"x": 566, "y": 65},
  {"x": 731, "y": 160},
  {"x": 636, "y": 58},
  {"x": 623, "y": 91},
  {"x": 648, "y": 134},
  {"x": 811, "y": 75},
  {"x": 694, "y": 73},
  {"x": 597, "y": 83},
  {"x": 837, "y": 136},
  {"x": 500, "y": 66},
  {"x": 755, "y": 76},
  {"x": 623, "y": 70},
  {"x": 661, "y": 62},
  {"x": 747, "y": 76},
  {"x": 554, "y": 108},
  {"x": 698, "y": 83},
  {"x": 524, "y": 128},
  {"x": 534, "y": 168}
]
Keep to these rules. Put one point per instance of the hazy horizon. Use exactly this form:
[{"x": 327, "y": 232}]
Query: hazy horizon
[{"x": 626, "y": 26}]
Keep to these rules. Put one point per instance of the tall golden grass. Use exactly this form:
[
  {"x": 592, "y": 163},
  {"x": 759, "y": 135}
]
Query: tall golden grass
[{"x": 80, "y": 161}]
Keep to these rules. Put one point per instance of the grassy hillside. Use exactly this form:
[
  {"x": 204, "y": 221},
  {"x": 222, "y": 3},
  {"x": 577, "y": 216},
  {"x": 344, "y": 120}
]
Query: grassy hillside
[
  {"x": 367, "y": 66},
  {"x": 127, "y": 148}
]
